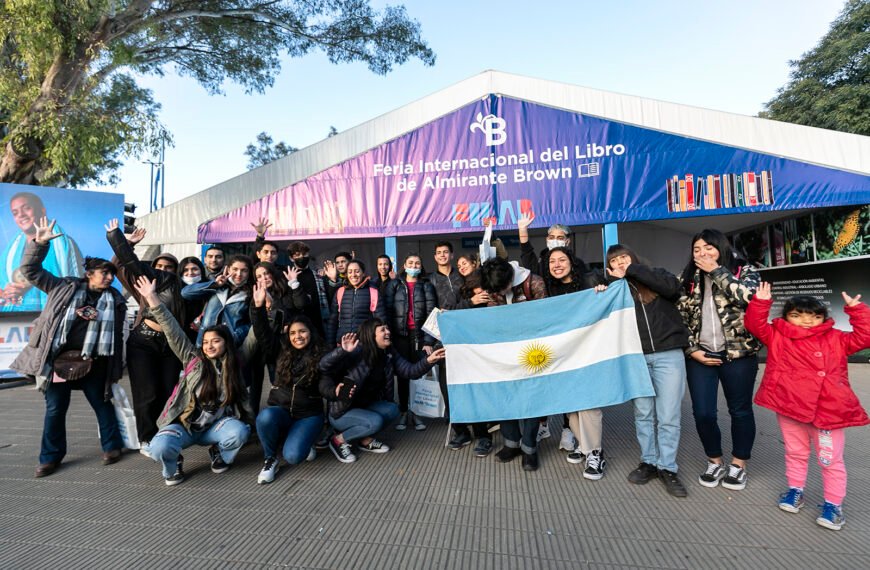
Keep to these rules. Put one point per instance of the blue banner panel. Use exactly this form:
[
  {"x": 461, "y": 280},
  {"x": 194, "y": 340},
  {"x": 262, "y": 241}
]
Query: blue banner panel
[{"x": 80, "y": 217}]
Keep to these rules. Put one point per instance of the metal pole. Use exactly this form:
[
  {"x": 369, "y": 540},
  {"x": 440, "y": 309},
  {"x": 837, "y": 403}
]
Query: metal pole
[
  {"x": 151, "y": 197},
  {"x": 163, "y": 169}
]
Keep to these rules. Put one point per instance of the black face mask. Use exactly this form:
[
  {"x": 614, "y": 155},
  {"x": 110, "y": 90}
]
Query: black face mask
[{"x": 302, "y": 262}]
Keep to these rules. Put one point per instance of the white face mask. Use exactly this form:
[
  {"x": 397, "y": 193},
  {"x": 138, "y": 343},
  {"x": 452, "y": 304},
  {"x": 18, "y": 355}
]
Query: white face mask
[
  {"x": 190, "y": 280},
  {"x": 234, "y": 284},
  {"x": 553, "y": 243}
]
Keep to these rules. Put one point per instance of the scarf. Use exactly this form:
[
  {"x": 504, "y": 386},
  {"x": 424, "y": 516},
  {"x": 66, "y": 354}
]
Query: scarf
[{"x": 100, "y": 333}]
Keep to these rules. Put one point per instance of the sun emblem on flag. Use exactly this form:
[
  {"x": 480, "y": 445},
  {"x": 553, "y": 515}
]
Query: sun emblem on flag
[{"x": 536, "y": 357}]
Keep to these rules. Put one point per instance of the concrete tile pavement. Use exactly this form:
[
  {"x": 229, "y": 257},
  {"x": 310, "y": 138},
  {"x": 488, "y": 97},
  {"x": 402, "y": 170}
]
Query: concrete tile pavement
[{"x": 419, "y": 506}]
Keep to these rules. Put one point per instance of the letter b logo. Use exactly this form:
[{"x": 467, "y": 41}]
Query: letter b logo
[{"x": 492, "y": 127}]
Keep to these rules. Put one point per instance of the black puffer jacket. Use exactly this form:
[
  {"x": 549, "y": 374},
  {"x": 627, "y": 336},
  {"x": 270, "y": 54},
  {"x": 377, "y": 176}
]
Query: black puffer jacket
[
  {"x": 355, "y": 309},
  {"x": 371, "y": 385},
  {"x": 659, "y": 322},
  {"x": 447, "y": 288},
  {"x": 396, "y": 303},
  {"x": 295, "y": 389}
]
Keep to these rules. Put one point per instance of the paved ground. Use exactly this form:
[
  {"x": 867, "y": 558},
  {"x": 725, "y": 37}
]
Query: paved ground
[{"x": 420, "y": 506}]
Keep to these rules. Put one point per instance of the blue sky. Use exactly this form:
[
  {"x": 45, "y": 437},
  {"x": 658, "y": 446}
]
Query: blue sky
[{"x": 729, "y": 56}]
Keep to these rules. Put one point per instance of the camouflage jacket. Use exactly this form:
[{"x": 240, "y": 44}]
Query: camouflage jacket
[{"x": 731, "y": 294}]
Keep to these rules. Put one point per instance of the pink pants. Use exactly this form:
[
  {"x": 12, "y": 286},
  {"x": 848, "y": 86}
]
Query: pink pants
[{"x": 829, "y": 446}]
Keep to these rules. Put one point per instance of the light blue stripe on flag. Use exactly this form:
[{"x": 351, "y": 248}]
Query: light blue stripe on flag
[
  {"x": 533, "y": 319},
  {"x": 602, "y": 384}
]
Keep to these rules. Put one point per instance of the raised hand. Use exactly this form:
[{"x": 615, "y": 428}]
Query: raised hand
[
  {"x": 259, "y": 295},
  {"x": 329, "y": 270},
  {"x": 137, "y": 236},
  {"x": 291, "y": 274},
  {"x": 221, "y": 279},
  {"x": 600, "y": 288},
  {"x": 525, "y": 220},
  {"x": 349, "y": 342},
  {"x": 261, "y": 226},
  {"x": 147, "y": 289},
  {"x": 112, "y": 225},
  {"x": 436, "y": 356},
  {"x": 45, "y": 231},
  {"x": 763, "y": 291},
  {"x": 428, "y": 350},
  {"x": 851, "y": 301},
  {"x": 616, "y": 273}
]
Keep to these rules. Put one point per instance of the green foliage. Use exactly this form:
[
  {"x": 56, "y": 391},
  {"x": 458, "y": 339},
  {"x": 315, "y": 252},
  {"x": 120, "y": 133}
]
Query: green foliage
[
  {"x": 830, "y": 84},
  {"x": 70, "y": 108},
  {"x": 265, "y": 151}
]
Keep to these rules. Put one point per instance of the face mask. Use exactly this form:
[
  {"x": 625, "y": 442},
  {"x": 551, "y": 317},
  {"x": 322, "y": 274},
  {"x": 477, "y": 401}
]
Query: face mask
[
  {"x": 413, "y": 272},
  {"x": 234, "y": 284},
  {"x": 191, "y": 280},
  {"x": 553, "y": 243},
  {"x": 302, "y": 262}
]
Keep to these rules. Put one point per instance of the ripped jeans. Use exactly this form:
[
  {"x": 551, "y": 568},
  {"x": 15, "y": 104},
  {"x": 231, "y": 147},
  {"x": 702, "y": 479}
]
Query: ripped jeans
[{"x": 229, "y": 434}]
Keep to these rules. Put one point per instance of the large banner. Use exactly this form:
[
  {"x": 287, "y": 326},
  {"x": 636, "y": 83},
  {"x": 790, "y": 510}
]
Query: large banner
[
  {"x": 824, "y": 281},
  {"x": 80, "y": 217},
  {"x": 499, "y": 157}
]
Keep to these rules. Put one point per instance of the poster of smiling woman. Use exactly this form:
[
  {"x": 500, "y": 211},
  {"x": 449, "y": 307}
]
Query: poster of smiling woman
[{"x": 80, "y": 216}]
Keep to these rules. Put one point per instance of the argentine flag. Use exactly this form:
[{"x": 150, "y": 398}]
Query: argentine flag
[{"x": 538, "y": 358}]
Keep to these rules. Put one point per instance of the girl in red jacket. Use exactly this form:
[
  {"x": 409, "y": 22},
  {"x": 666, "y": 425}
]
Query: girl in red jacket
[{"x": 806, "y": 382}]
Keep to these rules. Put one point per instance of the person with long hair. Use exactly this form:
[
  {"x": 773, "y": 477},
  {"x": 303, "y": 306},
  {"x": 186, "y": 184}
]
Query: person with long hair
[
  {"x": 409, "y": 300},
  {"x": 354, "y": 303},
  {"x": 284, "y": 298},
  {"x": 472, "y": 296},
  {"x": 357, "y": 381},
  {"x": 467, "y": 263},
  {"x": 290, "y": 423},
  {"x": 385, "y": 275},
  {"x": 228, "y": 298},
  {"x": 663, "y": 338},
  {"x": 151, "y": 365},
  {"x": 716, "y": 289},
  {"x": 209, "y": 406},
  {"x": 76, "y": 343},
  {"x": 585, "y": 427}
]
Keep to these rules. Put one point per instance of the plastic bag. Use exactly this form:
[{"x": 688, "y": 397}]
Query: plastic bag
[
  {"x": 126, "y": 418},
  {"x": 425, "y": 396}
]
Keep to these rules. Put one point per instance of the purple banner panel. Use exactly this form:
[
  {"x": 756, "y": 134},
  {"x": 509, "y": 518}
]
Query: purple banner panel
[{"x": 499, "y": 157}]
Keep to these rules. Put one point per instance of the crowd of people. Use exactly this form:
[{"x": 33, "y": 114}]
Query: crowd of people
[{"x": 340, "y": 346}]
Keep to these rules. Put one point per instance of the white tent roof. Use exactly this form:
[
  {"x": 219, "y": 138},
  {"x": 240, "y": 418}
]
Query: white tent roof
[{"x": 177, "y": 223}]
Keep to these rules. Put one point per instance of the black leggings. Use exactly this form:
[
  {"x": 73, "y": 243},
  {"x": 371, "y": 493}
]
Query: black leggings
[{"x": 407, "y": 347}]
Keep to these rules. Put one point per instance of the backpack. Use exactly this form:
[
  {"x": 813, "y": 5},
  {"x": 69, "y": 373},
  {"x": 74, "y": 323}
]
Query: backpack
[{"x": 373, "y": 297}]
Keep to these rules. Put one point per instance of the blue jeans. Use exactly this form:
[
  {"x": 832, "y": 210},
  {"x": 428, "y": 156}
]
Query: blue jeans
[
  {"x": 57, "y": 398},
  {"x": 657, "y": 418},
  {"x": 357, "y": 423},
  {"x": 526, "y": 438},
  {"x": 279, "y": 432},
  {"x": 738, "y": 380},
  {"x": 229, "y": 434}
]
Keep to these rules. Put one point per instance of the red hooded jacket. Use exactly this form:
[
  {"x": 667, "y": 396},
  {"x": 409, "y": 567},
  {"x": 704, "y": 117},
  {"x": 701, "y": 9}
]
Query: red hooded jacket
[{"x": 806, "y": 377}]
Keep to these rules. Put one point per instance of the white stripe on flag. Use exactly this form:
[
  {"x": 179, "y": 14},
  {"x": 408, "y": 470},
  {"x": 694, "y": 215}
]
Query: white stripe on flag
[{"x": 613, "y": 336}]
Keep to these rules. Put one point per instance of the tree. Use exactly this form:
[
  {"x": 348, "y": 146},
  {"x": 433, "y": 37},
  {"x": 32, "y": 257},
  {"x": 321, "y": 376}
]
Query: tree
[
  {"x": 70, "y": 107},
  {"x": 830, "y": 84},
  {"x": 266, "y": 151}
]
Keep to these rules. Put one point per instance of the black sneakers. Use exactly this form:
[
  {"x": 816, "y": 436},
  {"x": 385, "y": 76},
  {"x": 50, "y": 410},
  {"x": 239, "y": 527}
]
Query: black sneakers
[
  {"x": 530, "y": 461},
  {"x": 178, "y": 476},
  {"x": 460, "y": 440},
  {"x": 644, "y": 473},
  {"x": 673, "y": 485},
  {"x": 595, "y": 465},
  {"x": 218, "y": 465},
  {"x": 506, "y": 454}
]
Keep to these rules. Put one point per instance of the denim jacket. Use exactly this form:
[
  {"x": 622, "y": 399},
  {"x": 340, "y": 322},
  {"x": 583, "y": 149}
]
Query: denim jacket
[{"x": 221, "y": 308}]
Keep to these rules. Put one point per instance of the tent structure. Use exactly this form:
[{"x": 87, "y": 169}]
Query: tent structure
[{"x": 496, "y": 145}]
